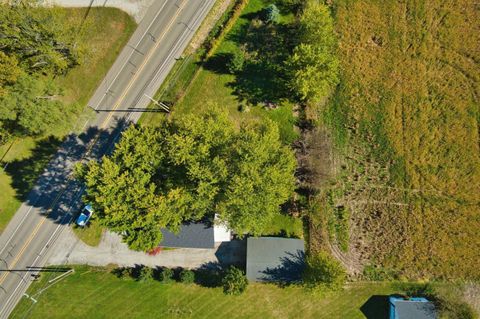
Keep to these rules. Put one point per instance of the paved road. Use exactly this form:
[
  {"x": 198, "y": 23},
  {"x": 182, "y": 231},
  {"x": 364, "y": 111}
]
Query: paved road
[{"x": 120, "y": 99}]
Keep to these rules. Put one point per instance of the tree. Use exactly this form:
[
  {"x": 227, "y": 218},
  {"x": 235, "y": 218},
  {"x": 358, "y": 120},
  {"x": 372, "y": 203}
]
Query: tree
[
  {"x": 324, "y": 272},
  {"x": 236, "y": 62},
  {"x": 145, "y": 274},
  {"x": 35, "y": 46},
  {"x": 187, "y": 276},
  {"x": 166, "y": 276},
  {"x": 37, "y": 38},
  {"x": 271, "y": 13},
  {"x": 31, "y": 107},
  {"x": 313, "y": 67},
  {"x": 189, "y": 168},
  {"x": 261, "y": 178},
  {"x": 125, "y": 197},
  {"x": 9, "y": 71},
  {"x": 314, "y": 72},
  {"x": 234, "y": 282},
  {"x": 291, "y": 5}
]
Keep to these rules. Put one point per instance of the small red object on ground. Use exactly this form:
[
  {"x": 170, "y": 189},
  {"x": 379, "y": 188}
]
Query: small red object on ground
[{"x": 155, "y": 251}]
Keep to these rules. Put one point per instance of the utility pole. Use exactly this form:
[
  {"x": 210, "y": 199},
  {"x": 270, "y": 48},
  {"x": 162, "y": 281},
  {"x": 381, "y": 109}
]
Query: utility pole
[
  {"x": 30, "y": 297},
  {"x": 158, "y": 103}
]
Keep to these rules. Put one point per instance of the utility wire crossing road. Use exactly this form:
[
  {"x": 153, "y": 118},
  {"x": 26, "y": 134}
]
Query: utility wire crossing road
[{"x": 120, "y": 99}]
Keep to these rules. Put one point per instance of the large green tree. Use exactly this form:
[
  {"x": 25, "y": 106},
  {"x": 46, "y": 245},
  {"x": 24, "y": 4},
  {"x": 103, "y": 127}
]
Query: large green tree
[
  {"x": 37, "y": 37},
  {"x": 35, "y": 46},
  {"x": 31, "y": 106},
  {"x": 189, "y": 168},
  {"x": 313, "y": 66}
]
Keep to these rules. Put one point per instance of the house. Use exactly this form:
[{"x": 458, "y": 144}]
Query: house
[
  {"x": 275, "y": 259},
  {"x": 411, "y": 308},
  {"x": 203, "y": 234}
]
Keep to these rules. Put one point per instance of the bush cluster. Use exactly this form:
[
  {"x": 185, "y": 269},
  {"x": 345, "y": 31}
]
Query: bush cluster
[
  {"x": 187, "y": 276},
  {"x": 234, "y": 282},
  {"x": 324, "y": 272},
  {"x": 236, "y": 62}
]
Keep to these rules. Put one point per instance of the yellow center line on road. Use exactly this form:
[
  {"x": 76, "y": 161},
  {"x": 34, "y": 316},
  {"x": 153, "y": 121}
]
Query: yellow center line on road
[{"x": 104, "y": 123}]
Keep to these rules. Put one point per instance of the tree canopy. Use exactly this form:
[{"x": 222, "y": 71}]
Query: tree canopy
[
  {"x": 187, "y": 169},
  {"x": 36, "y": 38},
  {"x": 313, "y": 65},
  {"x": 34, "y": 48}
]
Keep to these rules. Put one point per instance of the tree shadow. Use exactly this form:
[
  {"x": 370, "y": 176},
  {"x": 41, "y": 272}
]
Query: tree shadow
[
  {"x": 218, "y": 63},
  {"x": 266, "y": 48},
  {"x": 45, "y": 179},
  {"x": 25, "y": 172},
  {"x": 289, "y": 271},
  {"x": 259, "y": 83},
  {"x": 209, "y": 275},
  {"x": 376, "y": 307}
]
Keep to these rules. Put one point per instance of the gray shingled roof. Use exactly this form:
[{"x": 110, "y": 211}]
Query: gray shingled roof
[
  {"x": 275, "y": 259},
  {"x": 191, "y": 235},
  {"x": 405, "y": 309}
]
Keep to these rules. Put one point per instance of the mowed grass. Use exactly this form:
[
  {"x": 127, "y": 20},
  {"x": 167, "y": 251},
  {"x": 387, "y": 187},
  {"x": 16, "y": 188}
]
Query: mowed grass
[
  {"x": 96, "y": 293},
  {"x": 213, "y": 85},
  {"x": 105, "y": 32},
  {"x": 285, "y": 225},
  {"x": 91, "y": 234}
]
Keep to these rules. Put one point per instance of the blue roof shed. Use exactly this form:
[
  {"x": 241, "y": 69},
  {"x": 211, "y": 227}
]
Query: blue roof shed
[{"x": 411, "y": 308}]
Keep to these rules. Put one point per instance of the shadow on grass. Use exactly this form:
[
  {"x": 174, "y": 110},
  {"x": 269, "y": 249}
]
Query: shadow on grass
[
  {"x": 208, "y": 275},
  {"x": 25, "y": 172},
  {"x": 259, "y": 83},
  {"x": 376, "y": 307},
  {"x": 266, "y": 48},
  {"x": 218, "y": 63}
]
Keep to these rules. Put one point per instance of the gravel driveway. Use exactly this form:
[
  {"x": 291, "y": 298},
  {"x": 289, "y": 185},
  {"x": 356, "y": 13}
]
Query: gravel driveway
[
  {"x": 136, "y": 8},
  {"x": 70, "y": 250}
]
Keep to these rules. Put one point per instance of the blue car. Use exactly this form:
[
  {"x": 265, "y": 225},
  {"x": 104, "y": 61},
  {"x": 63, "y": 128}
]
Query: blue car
[{"x": 85, "y": 215}]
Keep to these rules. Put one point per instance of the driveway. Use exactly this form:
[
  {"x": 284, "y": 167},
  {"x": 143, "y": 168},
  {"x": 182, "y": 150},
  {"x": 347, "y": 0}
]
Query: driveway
[
  {"x": 136, "y": 8},
  {"x": 111, "y": 250}
]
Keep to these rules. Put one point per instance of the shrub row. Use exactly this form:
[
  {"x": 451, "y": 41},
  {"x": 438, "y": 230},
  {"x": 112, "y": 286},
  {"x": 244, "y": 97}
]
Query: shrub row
[
  {"x": 145, "y": 274},
  {"x": 232, "y": 280},
  {"x": 221, "y": 29}
]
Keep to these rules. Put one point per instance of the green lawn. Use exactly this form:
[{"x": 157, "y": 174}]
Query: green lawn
[
  {"x": 96, "y": 293},
  {"x": 106, "y": 32},
  {"x": 285, "y": 225},
  {"x": 213, "y": 85},
  {"x": 91, "y": 234}
]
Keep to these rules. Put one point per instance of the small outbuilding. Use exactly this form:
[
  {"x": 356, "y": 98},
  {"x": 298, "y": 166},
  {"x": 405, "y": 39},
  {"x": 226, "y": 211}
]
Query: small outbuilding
[
  {"x": 275, "y": 259},
  {"x": 411, "y": 308}
]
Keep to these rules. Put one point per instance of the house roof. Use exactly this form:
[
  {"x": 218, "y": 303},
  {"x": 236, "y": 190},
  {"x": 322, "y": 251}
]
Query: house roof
[
  {"x": 191, "y": 235},
  {"x": 275, "y": 259},
  {"x": 413, "y": 309}
]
